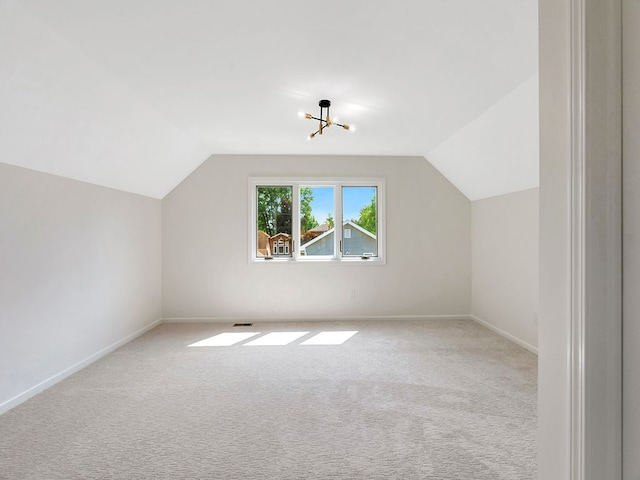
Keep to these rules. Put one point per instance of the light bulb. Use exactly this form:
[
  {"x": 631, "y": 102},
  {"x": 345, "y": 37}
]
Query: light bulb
[
  {"x": 310, "y": 137},
  {"x": 352, "y": 128},
  {"x": 301, "y": 114}
]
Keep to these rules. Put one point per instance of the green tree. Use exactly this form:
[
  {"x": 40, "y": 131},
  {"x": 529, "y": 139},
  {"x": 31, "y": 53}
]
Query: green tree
[
  {"x": 307, "y": 220},
  {"x": 329, "y": 221},
  {"x": 274, "y": 203},
  {"x": 368, "y": 217},
  {"x": 283, "y": 217}
]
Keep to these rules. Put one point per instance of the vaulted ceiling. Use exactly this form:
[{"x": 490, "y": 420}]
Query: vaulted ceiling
[{"x": 135, "y": 95}]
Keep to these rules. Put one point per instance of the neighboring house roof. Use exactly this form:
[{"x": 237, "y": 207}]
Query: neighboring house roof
[
  {"x": 320, "y": 228},
  {"x": 314, "y": 232},
  {"x": 330, "y": 231},
  {"x": 281, "y": 235}
]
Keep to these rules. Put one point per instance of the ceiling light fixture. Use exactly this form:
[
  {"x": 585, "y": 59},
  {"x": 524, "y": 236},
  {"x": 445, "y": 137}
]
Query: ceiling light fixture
[{"x": 325, "y": 120}]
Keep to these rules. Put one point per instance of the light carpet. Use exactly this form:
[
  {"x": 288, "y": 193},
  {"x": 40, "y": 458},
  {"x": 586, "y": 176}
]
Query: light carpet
[{"x": 445, "y": 400}]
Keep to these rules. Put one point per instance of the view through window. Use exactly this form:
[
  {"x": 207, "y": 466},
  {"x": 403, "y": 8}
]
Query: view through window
[
  {"x": 274, "y": 220},
  {"x": 317, "y": 221},
  {"x": 361, "y": 221},
  {"x": 335, "y": 220}
]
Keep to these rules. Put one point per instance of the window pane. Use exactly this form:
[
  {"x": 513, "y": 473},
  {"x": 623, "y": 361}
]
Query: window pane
[
  {"x": 316, "y": 221},
  {"x": 360, "y": 221},
  {"x": 274, "y": 221}
]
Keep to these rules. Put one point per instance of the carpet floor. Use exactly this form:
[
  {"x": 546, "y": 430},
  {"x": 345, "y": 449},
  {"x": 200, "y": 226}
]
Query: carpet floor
[{"x": 440, "y": 400}]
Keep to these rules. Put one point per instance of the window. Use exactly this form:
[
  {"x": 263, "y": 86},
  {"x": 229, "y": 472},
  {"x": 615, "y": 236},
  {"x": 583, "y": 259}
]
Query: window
[
  {"x": 317, "y": 220},
  {"x": 360, "y": 221},
  {"x": 273, "y": 219}
]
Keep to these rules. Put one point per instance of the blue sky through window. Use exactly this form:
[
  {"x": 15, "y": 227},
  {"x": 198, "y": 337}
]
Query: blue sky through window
[
  {"x": 322, "y": 203},
  {"x": 353, "y": 199}
]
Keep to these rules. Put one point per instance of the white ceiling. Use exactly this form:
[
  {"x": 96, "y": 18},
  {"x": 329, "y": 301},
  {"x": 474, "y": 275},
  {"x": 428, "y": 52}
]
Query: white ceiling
[
  {"x": 497, "y": 153},
  {"x": 135, "y": 95}
]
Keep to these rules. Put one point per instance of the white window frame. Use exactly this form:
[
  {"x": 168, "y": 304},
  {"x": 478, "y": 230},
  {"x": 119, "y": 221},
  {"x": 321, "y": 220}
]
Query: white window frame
[{"x": 337, "y": 185}]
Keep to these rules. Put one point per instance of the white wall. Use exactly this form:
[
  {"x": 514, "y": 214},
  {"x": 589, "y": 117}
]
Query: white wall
[
  {"x": 504, "y": 264},
  {"x": 79, "y": 272},
  {"x": 631, "y": 241},
  {"x": 206, "y": 273}
]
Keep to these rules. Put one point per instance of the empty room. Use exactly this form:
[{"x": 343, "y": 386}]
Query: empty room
[{"x": 286, "y": 240}]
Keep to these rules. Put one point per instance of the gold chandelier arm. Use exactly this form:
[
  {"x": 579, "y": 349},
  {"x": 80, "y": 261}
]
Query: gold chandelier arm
[{"x": 319, "y": 131}]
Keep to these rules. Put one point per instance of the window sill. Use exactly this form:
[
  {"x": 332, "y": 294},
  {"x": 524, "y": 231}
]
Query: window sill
[{"x": 322, "y": 260}]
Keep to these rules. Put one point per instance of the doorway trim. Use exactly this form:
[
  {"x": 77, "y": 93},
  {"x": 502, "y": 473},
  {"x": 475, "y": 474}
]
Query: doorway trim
[{"x": 580, "y": 408}]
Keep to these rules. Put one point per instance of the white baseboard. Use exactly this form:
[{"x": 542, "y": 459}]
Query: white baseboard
[
  {"x": 501, "y": 332},
  {"x": 40, "y": 387},
  {"x": 346, "y": 318}
]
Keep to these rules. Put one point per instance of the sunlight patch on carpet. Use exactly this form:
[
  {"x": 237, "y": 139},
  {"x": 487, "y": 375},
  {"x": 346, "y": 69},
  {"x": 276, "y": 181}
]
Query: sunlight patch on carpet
[
  {"x": 330, "y": 338},
  {"x": 276, "y": 338},
  {"x": 224, "y": 339},
  {"x": 228, "y": 339}
]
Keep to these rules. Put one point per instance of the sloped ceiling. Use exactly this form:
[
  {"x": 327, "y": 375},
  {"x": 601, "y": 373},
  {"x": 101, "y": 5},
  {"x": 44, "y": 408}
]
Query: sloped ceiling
[
  {"x": 497, "y": 153},
  {"x": 135, "y": 95}
]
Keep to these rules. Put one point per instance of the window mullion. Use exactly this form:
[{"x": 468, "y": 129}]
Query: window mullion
[
  {"x": 338, "y": 221},
  {"x": 295, "y": 221}
]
